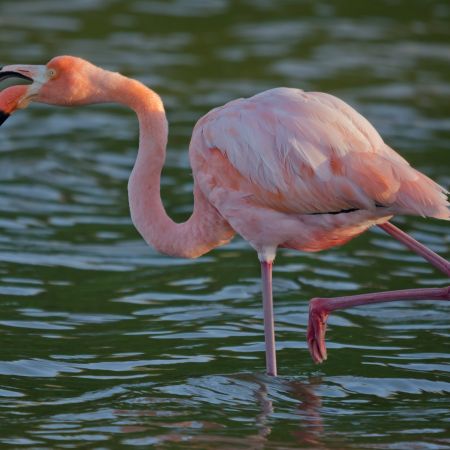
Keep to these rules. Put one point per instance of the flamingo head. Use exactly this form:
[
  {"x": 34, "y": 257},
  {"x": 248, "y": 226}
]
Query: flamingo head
[{"x": 63, "y": 81}]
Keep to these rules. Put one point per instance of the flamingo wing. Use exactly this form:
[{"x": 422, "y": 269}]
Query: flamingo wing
[{"x": 306, "y": 153}]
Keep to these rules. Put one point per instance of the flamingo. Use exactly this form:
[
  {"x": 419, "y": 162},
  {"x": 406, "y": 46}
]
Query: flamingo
[{"x": 284, "y": 168}]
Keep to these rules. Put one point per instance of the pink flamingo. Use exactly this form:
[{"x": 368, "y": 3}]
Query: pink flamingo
[{"x": 285, "y": 168}]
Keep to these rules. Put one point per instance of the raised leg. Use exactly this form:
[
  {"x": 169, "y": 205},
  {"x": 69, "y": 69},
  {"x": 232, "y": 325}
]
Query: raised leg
[
  {"x": 437, "y": 261},
  {"x": 320, "y": 308},
  {"x": 269, "y": 330}
]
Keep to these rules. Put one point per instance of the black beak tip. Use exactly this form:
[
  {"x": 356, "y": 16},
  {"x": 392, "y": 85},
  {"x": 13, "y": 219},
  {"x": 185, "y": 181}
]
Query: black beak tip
[
  {"x": 10, "y": 74},
  {"x": 3, "y": 117}
]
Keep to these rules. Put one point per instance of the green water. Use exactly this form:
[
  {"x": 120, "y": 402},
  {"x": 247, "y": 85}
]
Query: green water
[{"x": 106, "y": 344}]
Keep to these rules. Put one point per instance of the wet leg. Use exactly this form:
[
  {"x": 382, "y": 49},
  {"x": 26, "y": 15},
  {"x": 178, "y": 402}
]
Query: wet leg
[{"x": 269, "y": 328}]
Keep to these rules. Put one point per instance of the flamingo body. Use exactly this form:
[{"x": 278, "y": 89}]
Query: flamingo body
[
  {"x": 304, "y": 170},
  {"x": 285, "y": 168}
]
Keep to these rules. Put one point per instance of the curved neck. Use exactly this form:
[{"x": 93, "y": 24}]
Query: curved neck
[{"x": 205, "y": 229}]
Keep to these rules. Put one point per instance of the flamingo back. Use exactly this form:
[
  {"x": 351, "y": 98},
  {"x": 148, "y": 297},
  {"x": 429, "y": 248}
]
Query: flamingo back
[{"x": 306, "y": 153}]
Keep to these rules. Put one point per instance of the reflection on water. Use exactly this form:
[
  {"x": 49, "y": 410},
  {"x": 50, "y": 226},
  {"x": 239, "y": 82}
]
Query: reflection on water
[
  {"x": 106, "y": 343},
  {"x": 238, "y": 393}
]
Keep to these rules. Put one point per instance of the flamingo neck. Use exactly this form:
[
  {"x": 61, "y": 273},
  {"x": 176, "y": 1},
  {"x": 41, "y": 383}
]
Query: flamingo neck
[{"x": 205, "y": 229}]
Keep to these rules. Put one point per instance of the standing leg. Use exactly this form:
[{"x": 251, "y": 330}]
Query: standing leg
[
  {"x": 269, "y": 331},
  {"x": 320, "y": 308}
]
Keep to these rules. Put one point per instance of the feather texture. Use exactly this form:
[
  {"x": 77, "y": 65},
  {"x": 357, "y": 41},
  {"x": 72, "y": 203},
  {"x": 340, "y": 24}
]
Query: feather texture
[
  {"x": 312, "y": 153},
  {"x": 277, "y": 164}
]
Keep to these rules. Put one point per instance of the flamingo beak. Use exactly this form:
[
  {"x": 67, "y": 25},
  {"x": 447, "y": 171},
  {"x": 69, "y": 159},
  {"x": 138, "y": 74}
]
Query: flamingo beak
[
  {"x": 3, "y": 117},
  {"x": 4, "y": 74},
  {"x": 18, "y": 97},
  {"x": 34, "y": 73}
]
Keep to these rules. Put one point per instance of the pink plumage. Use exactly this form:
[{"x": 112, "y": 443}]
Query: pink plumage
[
  {"x": 285, "y": 158},
  {"x": 284, "y": 168}
]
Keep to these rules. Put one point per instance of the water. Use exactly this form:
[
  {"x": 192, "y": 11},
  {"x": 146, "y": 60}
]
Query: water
[{"x": 107, "y": 344}]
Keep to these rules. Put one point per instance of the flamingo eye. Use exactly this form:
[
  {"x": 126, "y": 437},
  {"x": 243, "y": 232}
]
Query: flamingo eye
[{"x": 51, "y": 73}]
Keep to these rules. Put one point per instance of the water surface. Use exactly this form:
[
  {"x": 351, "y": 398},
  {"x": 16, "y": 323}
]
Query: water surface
[{"x": 107, "y": 344}]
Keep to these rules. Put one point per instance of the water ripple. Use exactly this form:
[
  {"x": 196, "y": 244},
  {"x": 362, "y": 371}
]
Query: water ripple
[{"x": 106, "y": 343}]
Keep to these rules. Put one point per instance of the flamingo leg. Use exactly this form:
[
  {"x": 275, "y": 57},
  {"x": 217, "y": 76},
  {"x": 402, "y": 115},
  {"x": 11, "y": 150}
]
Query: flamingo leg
[
  {"x": 437, "y": 261},
  {"x": 269, "y": 329},
  {"x": 320, "y": 308}
]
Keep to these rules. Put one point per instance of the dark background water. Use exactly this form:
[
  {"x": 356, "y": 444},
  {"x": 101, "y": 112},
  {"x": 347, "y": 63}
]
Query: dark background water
[{"x": 107, "y": 344}]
